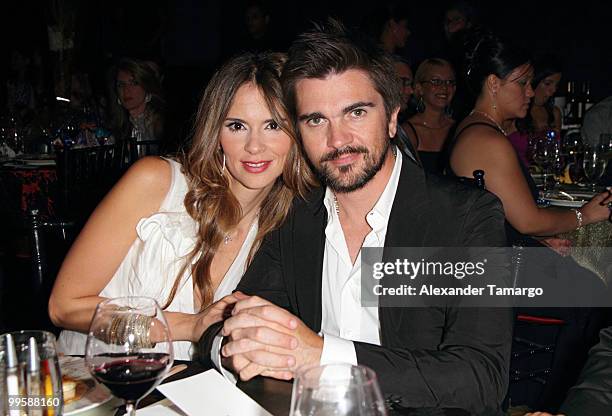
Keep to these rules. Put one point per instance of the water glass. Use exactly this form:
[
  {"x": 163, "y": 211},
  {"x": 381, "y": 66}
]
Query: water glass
[
  {"x": 34, "y": 385},
  {"x": 594, "y": 164},
  {"x": 337, "y": 390}
]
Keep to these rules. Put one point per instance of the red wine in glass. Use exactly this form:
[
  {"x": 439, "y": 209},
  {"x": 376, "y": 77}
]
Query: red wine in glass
[
  {"x": 129, "y": 348},
  {"x": 131, "y": 377}
]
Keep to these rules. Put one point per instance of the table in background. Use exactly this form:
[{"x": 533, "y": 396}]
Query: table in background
[{"x": 25, "y": 187}]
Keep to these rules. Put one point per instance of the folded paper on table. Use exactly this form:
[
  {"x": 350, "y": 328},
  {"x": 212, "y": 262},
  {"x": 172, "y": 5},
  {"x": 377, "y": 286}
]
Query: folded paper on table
[
  {"x": 163, "y": 408},
  {"x": 210, "y": 389}
]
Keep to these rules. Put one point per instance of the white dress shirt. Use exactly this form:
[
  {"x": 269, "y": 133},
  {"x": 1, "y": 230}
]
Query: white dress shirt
[{"x": 344, "y": 320}]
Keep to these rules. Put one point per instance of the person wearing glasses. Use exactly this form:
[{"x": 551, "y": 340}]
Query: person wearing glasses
[{"x": 432, "y": 124}]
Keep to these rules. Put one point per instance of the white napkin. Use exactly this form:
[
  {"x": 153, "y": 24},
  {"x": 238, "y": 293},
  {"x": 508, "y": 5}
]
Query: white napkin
[
  {"x": 163, "y": 408},
  {"x": 210, "y": 391}
]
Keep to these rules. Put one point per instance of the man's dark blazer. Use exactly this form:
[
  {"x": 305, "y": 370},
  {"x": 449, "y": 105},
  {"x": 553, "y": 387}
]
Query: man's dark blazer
[
  {"x": 429, "y": 357},
  {"x": 592, "y": 395}
]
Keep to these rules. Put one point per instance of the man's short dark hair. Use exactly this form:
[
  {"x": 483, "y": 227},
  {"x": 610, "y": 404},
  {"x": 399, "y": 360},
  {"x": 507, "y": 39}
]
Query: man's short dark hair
[{"x": 333, "y": 49}]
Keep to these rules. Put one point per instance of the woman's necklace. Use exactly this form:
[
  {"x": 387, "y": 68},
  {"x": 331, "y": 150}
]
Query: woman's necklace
[{"x": 486, "y": 115}]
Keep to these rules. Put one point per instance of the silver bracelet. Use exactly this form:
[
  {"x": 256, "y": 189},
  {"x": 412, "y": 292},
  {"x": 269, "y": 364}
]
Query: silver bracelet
[{"x": 579, "y": 218}]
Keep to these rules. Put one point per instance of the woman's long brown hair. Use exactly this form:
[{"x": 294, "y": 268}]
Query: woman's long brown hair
[{"x": 209, "y": 200}]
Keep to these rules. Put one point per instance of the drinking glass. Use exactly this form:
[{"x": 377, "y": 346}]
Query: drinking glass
[
  {"x": 128, "y": 348},
  {"x": 572, "y": 143},
  {"x": 575, "y": 169},
  {"x": 543, "y": 155},
  {"x": 36, "y": 375},
  {"x": 559, "y": 162},
  {"x": 337, "y": 390},
  {"x": 594, "y": 164}
]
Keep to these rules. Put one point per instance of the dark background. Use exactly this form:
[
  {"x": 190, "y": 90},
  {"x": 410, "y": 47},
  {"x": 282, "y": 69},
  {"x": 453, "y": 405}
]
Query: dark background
[{"x": 190, "y": 37}]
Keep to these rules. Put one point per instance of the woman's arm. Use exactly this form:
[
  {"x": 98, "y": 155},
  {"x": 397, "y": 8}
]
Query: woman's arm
[
  {"x": 104, "y": 242},
  {"x": 482, "y": 148}
]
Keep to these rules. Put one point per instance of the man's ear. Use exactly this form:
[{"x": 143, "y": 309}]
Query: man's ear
[{"x": 393, "y": 122}]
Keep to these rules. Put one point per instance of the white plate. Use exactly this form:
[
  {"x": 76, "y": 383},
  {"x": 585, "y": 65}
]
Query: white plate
[
  {"x": 564, "y": 203},
  {"x": 94, "y": 394},
  {"x": 557, "y": 199}
]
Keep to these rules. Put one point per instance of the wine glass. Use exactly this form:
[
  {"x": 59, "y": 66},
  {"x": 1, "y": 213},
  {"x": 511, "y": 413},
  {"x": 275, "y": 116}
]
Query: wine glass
[
  {"x": 575, "y": 169},
  {"x": 128, "y": 348},
  {"x": 594, "y": 164},
  {"x": 543, "y": 154},
  {"x": 337, "y": 390}
]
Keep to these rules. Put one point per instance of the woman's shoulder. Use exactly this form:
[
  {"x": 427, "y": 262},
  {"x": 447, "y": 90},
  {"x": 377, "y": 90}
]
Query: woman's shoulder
[
  {"x": 150, "y": 176},
  {"x": 471, "y": 132}
]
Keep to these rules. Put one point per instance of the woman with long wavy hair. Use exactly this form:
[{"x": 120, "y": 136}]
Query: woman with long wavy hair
[{"x": 183, "y": 231}]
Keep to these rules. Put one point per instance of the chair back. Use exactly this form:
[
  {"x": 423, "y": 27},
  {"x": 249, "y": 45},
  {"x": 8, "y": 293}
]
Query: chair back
[
  {"x": 132, "y": 150},
  {"x": 87, "y": 173}
]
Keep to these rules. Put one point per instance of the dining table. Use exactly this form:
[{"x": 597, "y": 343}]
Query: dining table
[
  {"x": 29, "y": 182},
  {"x": 273, "y": 395}
]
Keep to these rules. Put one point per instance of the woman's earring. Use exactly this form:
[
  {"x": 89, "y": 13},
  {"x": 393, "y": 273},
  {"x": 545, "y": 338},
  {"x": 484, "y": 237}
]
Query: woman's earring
[
  {"x": 148, "y": 98},
  {"x": 223, "y": 165},
  {"x": 420, "y": 107},
  {"x": 119, "y": 101},
  {"x": 298, "y": 166}
]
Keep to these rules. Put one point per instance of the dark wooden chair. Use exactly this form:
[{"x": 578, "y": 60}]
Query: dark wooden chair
[
  {"x": 85, "y": 176},
  {"x": 132, "y": 150}
]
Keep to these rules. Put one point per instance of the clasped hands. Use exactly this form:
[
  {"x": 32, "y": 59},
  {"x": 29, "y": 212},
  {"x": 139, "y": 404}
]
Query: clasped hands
[{"x": 261, "y": 338}]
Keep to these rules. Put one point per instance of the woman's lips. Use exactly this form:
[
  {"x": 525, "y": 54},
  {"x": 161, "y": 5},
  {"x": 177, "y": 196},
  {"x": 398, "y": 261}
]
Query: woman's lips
[{"x": 256, "y": 167}]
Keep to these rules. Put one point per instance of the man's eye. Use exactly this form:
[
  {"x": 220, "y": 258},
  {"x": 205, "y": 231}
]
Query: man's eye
[
  {"x": 359, "y": 112},
  {"x": 235, "y": 126},
  {"x": 315, "y": 121}
]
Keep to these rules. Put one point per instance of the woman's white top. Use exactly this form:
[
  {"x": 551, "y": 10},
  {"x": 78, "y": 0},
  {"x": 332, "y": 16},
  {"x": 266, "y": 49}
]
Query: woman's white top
[{"x": 154, "y": 260}]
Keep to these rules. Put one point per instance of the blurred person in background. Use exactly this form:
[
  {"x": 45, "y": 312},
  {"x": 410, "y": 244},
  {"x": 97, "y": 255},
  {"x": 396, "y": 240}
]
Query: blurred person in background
[
  {"x": 404, "y": 72},
  {"x": 407, "y": 105},
  {"x": 543, "y": 116},
  {"x": 388, "y": 25},
  {"x": 431, "y": 126},
  {"x": 597, "y": 121},
  {"x": 460, "y": 18},
  {"x": 136, "y": 102}
]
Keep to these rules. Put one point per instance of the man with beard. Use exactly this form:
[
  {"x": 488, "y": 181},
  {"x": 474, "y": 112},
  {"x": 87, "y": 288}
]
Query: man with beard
[{"x": 301, "y": 293}]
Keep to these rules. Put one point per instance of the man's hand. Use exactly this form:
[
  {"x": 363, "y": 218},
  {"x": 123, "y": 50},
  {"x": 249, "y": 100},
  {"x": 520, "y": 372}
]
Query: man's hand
[{"x": 264, "y": 339}]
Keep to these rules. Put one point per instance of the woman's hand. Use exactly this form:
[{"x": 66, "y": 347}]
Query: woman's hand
[
  {"x": 214, "y": 313},
  {"x": 598, "y": 208}
]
